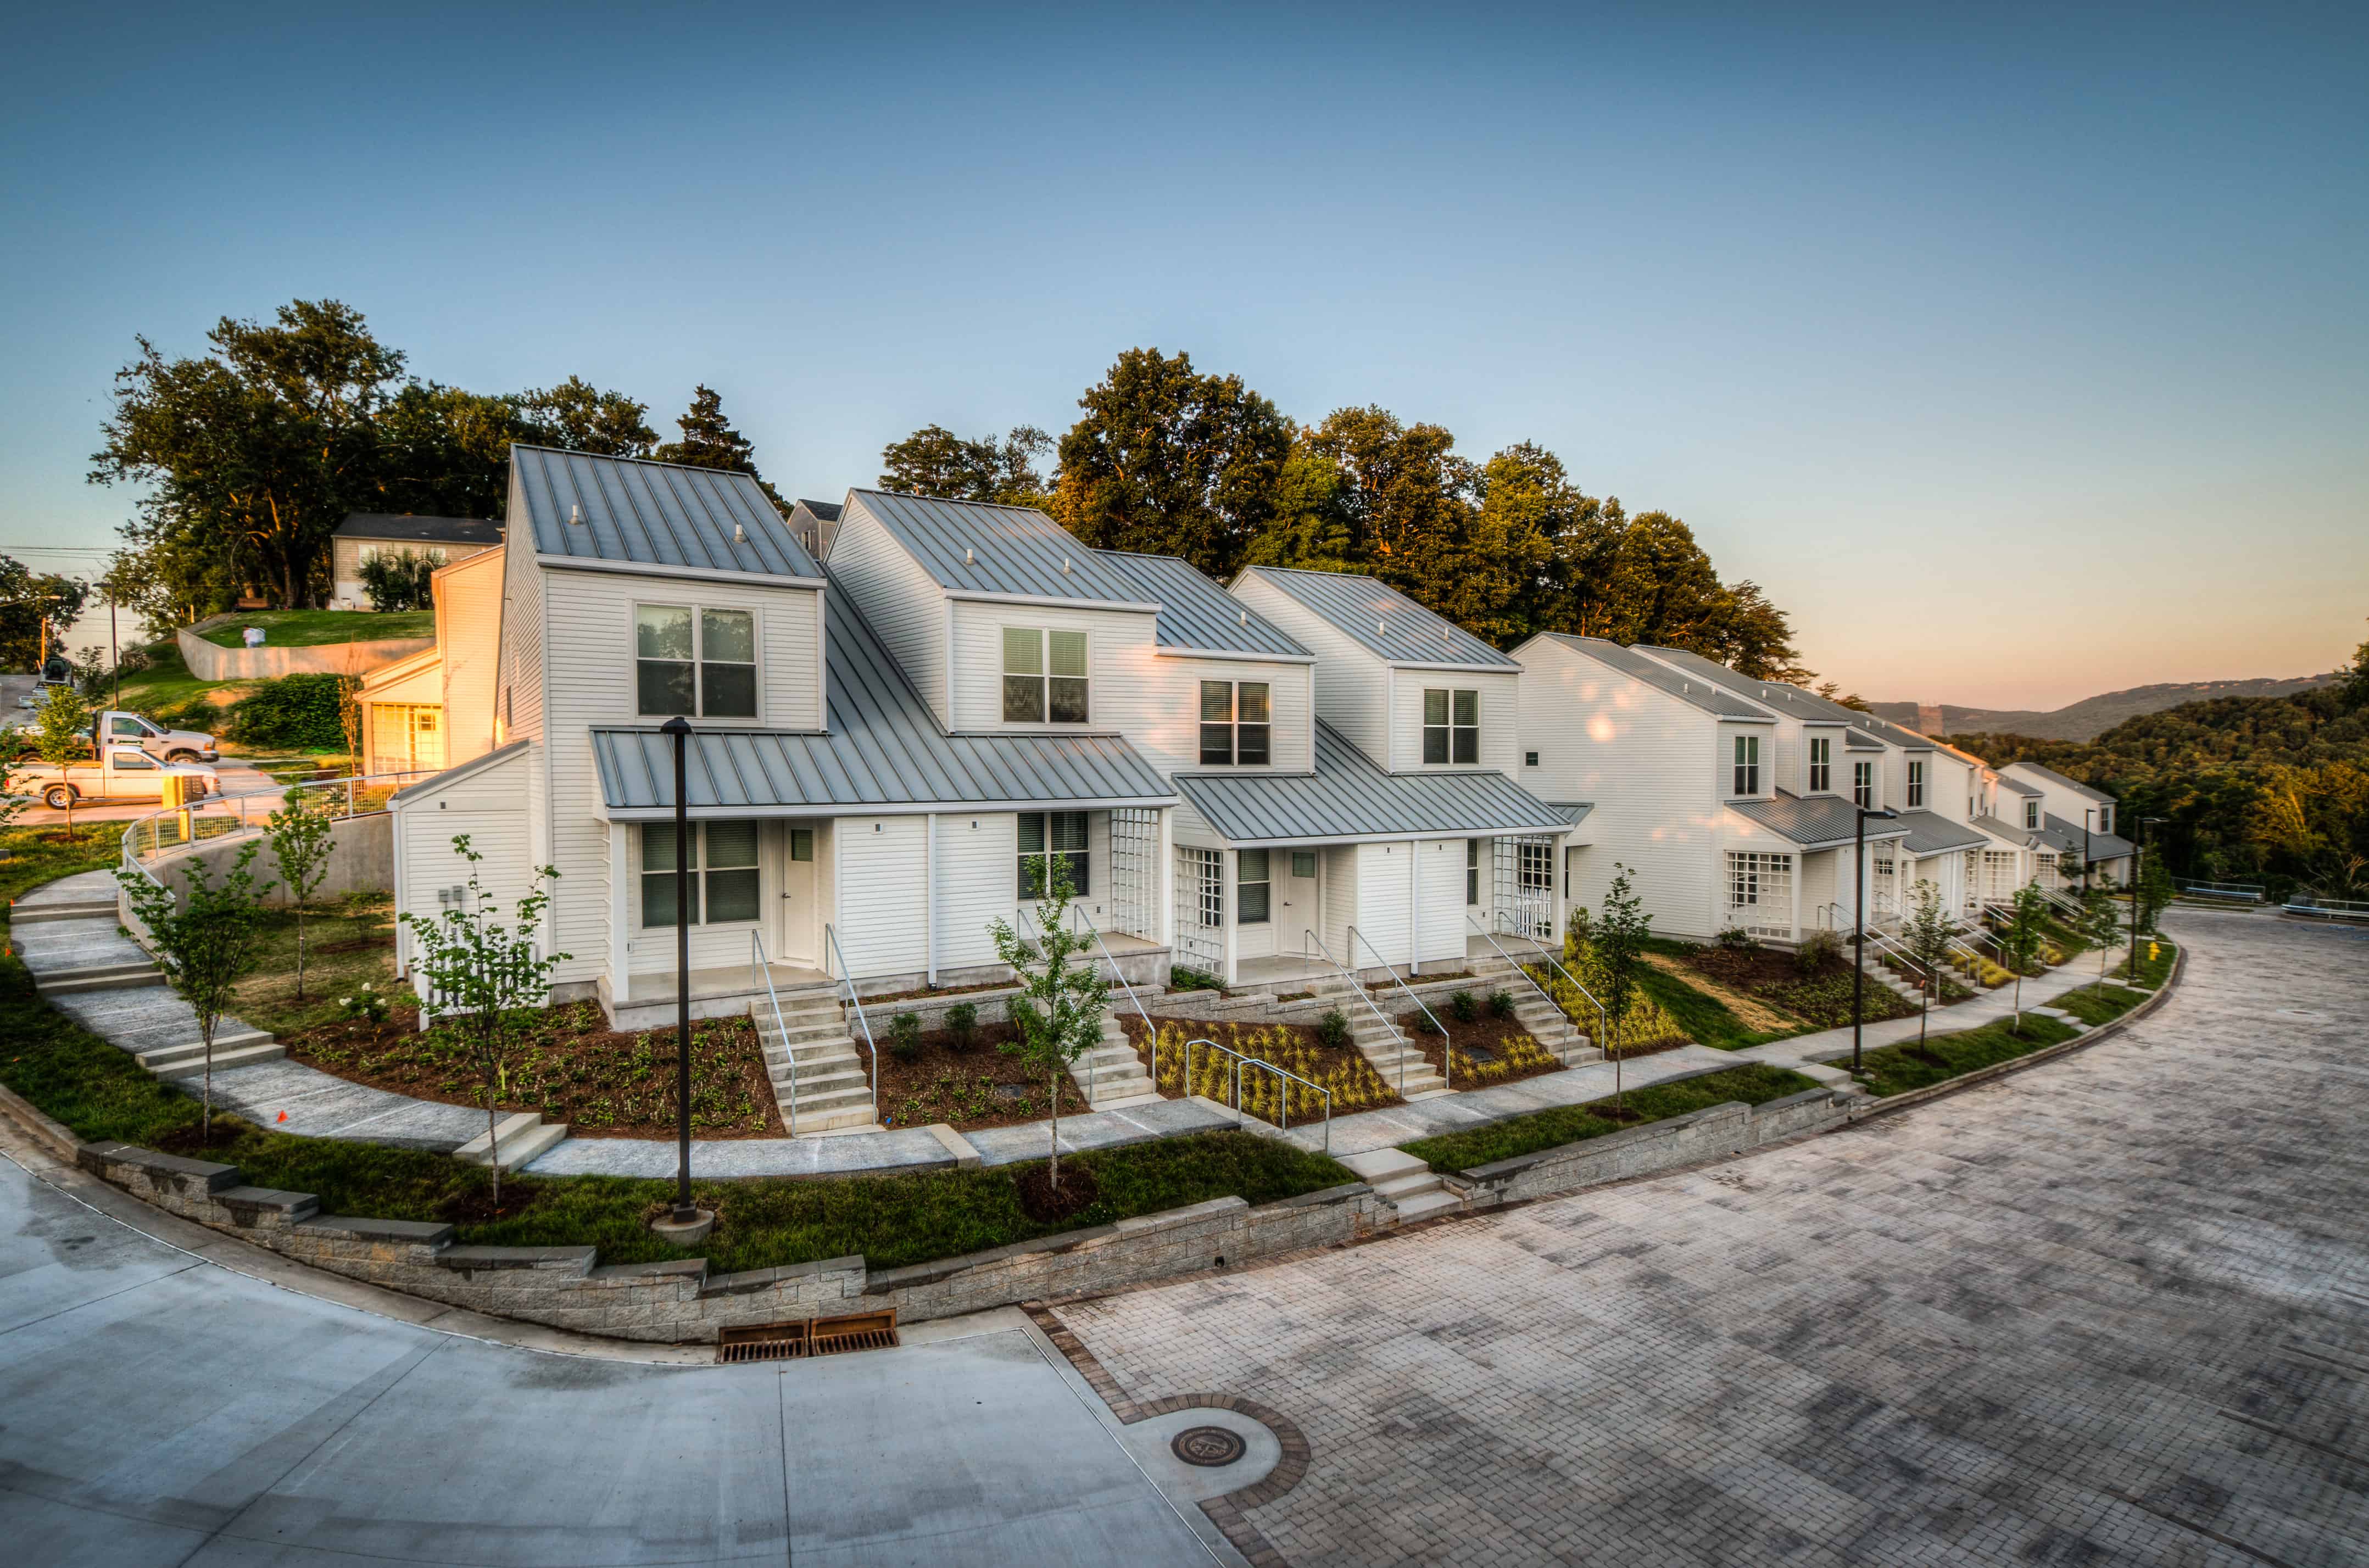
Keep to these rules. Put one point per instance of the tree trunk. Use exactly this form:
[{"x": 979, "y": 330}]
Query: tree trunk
[
  {"x": 206, "y": 1090},
  {"x": 299, "y": 951},
  {"x": 1053, "y": 1165},
  {"x": 493, "y": 1145}
]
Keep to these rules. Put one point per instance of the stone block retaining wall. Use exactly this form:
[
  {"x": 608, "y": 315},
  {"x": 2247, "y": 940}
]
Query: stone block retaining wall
[
  {"x": 1713, "y": 1133},
  {"x": 209, "y": 661}
]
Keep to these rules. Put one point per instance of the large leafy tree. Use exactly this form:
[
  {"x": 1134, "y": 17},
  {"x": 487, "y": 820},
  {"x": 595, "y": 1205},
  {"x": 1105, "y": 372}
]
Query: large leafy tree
[
  {"x": 934, "y": 460},
  {"x": 709, "y": 440},
  {"x": 1170, "y": 461},
  {"x": 580, "y": 416},
  {"x": 35, "y": 608}
]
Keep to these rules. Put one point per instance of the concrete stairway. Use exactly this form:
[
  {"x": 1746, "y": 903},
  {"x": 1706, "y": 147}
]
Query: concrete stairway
[
  {"x": 98, "y": 976},
  {"x": 833, "y": 1073},
  {"x": 1380, "y": 1043},
  {"x": 1403, "y": 1182},
  {"x": 1112, "y": 1076},
  {"x": 69, "y": 909},
  {"x": 516, "y": 1139},
  {"x": 1544, "y": 1021},
  {"x": 236, "y": 1045}
]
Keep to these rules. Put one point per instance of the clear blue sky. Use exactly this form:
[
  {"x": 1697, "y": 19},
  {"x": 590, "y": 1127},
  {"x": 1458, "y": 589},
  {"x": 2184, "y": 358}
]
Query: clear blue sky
[{"x": 1929, "y": 322}]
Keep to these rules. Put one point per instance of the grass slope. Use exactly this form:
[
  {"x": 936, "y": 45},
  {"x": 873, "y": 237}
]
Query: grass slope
[
  {"x": 320, "y": 628},
  {"x": 1896, "y": 1070},
  {"x": 1755, "y": 1083}
]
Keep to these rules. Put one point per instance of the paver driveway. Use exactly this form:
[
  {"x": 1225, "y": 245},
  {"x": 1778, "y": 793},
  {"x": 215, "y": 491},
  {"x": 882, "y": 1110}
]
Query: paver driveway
[{"x": 2113, "y": 1310}]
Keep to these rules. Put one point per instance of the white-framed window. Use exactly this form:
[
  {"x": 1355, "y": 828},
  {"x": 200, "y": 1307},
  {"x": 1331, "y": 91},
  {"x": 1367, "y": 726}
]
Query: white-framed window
[
  {"x": 1747, "y": 765},
  {"x": 1044, "y": 676},
  {"x": 2047, "y": 863},
  {"x": 1237, "y": 719},
  {"x": 1822, "y": 764},
  {"x": 1303, "y": 863},
  {"x": 1451, "y": 727},
  {"x": 694, "y": 661},
  {"x": 2032, "y": 815},
  {"x": 1054, "y": 832},
  {"x": 1200, "y": 888},
  {"x": 1760, "y": 892},
  {"x": 2105, "y": 818},
  {"x": 1254, "y": 877},
  {"x": 1916, "y": 785},
  {"x": 1535, "y": 868},
  {"x": 1863, "y": 784},
  {"x": 723, "y": 888},
  {"x": 1471, "y": 872}
]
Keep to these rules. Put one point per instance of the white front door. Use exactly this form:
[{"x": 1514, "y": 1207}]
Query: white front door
[
  {"x": 1299, "y": 900},
  {"x": 802, "y": 922}
]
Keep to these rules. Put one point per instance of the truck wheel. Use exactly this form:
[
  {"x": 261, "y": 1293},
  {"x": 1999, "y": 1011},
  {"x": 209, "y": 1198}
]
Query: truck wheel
[
  {"x": 58, "y": 797},
  {"x": 182, "y": 755}
]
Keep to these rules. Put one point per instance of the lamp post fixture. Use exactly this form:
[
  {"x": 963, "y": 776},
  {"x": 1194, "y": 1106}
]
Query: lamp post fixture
[
  {"x": 2089, "y": 814},
  {"x": 688, "y": 1223},
  {"x": 2138, "y": 858},
  {"x": 1858, "y": 918}
]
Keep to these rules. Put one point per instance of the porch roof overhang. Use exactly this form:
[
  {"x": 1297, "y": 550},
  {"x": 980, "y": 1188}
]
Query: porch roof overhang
[
  {"x": 1929, "y": 834},
  {"x": 1813, "y": 822},
  {"x": 2066, "y": 837},
  {"x": 745, "y": 772},
  {"x": 1347, "y": 797}
]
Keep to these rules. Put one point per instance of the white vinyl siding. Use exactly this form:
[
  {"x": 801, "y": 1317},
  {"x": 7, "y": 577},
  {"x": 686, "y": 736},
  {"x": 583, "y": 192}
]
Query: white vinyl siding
[
  {"x": 899, "y": 601},
  {"x": 976, "y": 855},
  {"x": 519, "y": 693},
  {"x": 1440, "y": 871},
  {"x": 1384, "y": 905},
  {"x": 980, "y": 627},
  {"x": 1500, "y": 704},
  {"x": 1348, "y": 682},
  {"x": 1337, "y": 872},
  {"x": 490, "y": 807},
  {"x": 881, "y": 864}
]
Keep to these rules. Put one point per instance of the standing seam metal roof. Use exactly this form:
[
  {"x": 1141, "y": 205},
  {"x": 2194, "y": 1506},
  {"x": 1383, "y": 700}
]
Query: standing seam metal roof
[
  {"x": 1931, "y": 833},
  {"x": 885, "y": 747},
  {"x": 2067, "y": 836},
  {"x": 1195, "y": 613},
  {"x": 2075, "y": 786},
  {"x": 1710, "y": 698},
  {"x": 654, "y": 514},
  {"x": 1812, "y": 821},
  {"x": 1792, "y": 701},
  {"x": 1347, "y": 797},
  {"x": 980, "y": 548},
  {"x": 1382, "y": 620}
]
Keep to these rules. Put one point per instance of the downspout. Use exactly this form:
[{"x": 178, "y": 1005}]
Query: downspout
[{"x": 930, "y": 905}]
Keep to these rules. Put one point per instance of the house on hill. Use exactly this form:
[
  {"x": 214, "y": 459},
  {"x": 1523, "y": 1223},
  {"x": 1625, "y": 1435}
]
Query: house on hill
[{"x": 364, "y": 535}]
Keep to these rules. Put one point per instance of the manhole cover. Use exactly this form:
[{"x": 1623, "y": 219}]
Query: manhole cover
[
  {"x": 1482, "y": 1054},
  {"x": 1011, "y": 1091},
  {"x": 1210, "y": 1445}
]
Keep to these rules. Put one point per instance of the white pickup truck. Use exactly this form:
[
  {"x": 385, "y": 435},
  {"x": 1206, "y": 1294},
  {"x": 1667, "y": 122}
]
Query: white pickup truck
[
  {"x": 126, "y": 772},
  {"x": 124, "y": 728}
]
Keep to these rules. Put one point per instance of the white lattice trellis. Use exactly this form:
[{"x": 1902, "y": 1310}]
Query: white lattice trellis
[
  {"x": 1524, "y": 883},
  {"x": 1760, "y": 893},
  {"x": 1200, "y": 908},
  {"x": 1135, "y": 871}
]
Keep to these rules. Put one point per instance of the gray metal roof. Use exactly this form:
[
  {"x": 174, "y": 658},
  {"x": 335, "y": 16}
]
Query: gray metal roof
[
  {"x": 1812, "y": 821},
  {"x": 885, "y": 750},
  {"x": 1703, "y": 695},
  {"x": 1348, "y": 797},
  {"x": 1578, "y": 809},
  {"x": 1999, "y": 828},
  {"x": 1795, "y": 702},
  {"x": 826, "y": 511},
  {"x": 654, "y": 514},
  {"x": 403, "y": 526},
  {"x": 2075, "y": 786},
  {"x": 1932, "y": 834},
  {"x": 1197, "y": 614},
  {"x": 2066, "y": 837},
  {"x": 971, "y": 546},
  {"x": 2030, "y": 792},
  {"x": 1382, "y": 620},
  {"x": 1854, "y": 741}
]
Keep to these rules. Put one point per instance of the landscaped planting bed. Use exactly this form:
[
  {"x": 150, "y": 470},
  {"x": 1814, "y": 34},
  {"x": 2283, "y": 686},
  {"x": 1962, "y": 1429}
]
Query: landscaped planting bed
[
  {"x": 2099, "y": 1005},
  {"x": 2154, "y": 958},
  {"x": 1486, "y": 1050},
  {"x": 965, "y": 1083},
  {"x": 1896, "y": 1070},
  {"x": 1755, "y": 1083},
  {"x": 1295, "y": 1047}
]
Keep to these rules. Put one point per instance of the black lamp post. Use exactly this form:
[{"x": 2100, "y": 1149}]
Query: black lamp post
[
  {"x": 1858, "y": 918},
  {"x": 2138, "y": 856},
  {"x": 688, "y": 1222},
  {"x": 2088, "y": 816}
]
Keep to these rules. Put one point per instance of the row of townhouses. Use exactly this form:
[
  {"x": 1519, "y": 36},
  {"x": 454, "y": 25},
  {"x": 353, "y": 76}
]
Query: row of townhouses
[{"x": 896, "y": 702}]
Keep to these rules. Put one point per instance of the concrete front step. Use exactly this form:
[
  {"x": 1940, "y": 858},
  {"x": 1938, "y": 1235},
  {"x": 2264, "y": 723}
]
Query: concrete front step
[
  {"x": 516, "y": 1140},
  {"x": 1403, "y": 1182},
  {"x": 102, "y": 976},
  {"x": 244, "y": 1056},
  {"x": 41, "y": 914},
  {"x": 167, "y": 1060}
]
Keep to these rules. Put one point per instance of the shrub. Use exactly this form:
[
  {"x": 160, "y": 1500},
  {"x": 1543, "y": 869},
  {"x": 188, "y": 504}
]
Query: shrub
[
  {"x": 1501, "y": 1004},
  {"x": 1421, "y": 1022},
  {"x": 1735, "y": 939},
  {"x": 1462, "y": 1008},
  {"x": 962, "y": 1026},
  {"x": 368, "y": 1005},
  {"x": 1333, "y": 1029},
  {"x": 1181, "y": 978},
  {"x": 1818, "y": 949},
  {"x": 294, "y": 710},
  {"x": 196, "y": 714},
  {"x": 905, "y": 1036}
]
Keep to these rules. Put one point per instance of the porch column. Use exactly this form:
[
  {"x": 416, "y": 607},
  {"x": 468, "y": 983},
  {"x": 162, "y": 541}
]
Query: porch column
[
  {"x": 929, "y": 902},
  {"x": 1163, "y": 884},
  {"x": 1229, "y": 869},
  {"x": 1414, "y": 906},
  {"x": 1558, "y": 882},
  {"x": 1800, "y": 875},
  {"x": 621, "y": 963}
]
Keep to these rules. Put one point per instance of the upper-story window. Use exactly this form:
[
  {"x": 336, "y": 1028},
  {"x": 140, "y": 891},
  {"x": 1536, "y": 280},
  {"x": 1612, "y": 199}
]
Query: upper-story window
[
  {"x": 1236, "y": 719},
  {"x": 1044, "y": 676},
  {"x": 2105, "y": 818},
  {"x": 1822, "y": 764},
  {"x": 2032, "y": 815},
  {"x": 1451, "y": 727},
  {"x": 1053, "y": 833},
  {"x": 1863, "y": 784},
  {"x": 709, "y": 674},
  {"x": 1747, "y": 765},
  {"x": 1916, "y": 785}
]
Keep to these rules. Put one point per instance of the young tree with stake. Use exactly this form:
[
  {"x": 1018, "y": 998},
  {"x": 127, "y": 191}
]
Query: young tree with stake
[
  {"x": 209, "y": 937},
  {"x": 2020, "y": 940},
  {"x": 1058, "y": 1015},
  {"x": 1927, "y": 933},
  {"x": 485, "y": 971},
  {"x": 59, "y": 727},
  {"x": 1618, "y": 936},
  {"x": 301, "y": 839},
  {"x": 2101, "y": 924}
]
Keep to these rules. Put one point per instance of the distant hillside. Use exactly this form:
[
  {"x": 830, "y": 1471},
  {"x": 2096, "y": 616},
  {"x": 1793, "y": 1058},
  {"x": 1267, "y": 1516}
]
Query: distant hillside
[{"x": 2093, "y": 716}]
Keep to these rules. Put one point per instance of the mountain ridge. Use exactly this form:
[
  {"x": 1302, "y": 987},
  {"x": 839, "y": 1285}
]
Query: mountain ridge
[{"x": 2093, "y": 716}]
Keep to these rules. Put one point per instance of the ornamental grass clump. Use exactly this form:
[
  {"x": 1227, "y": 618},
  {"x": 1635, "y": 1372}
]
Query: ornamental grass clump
[{"x": 1349, "y": 1077}]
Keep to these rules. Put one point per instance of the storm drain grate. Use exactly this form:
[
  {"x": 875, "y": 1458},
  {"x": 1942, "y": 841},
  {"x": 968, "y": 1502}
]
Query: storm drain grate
[{"x": 808, "y": 1336}]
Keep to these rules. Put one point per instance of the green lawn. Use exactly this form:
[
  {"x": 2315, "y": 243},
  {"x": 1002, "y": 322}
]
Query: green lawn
[
  {"x": 2154, "y": 957},
  {"x": 2099, "y": 1005},
  {"x": 1707, "y": 1020},
  {"x": 1896, "y": 1070},
  {"x": 1755, "y": 1083},
  {"x": 315, "y": 628},
  {"x": 167, "y": 684}
]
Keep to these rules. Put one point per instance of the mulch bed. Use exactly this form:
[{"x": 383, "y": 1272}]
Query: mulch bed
[
  {"x": 1750, "y": 968},
  {"x": 981, "y": 1087},
  {"x": 1041, "y": 1202},
  {"x": 1482, "y": 1042},
  {"x": 1775, "y": 980},
  {"x": 1295, "y": 1047},
  {"x": 572, "y": 1068}
]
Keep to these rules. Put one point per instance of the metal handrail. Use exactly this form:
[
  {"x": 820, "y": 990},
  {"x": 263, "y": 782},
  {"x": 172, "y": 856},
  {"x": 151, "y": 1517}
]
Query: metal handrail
[
  {"x": 1307, "y": 935},
  {"x": 2332, "y": 908},
  {"x": 1447, "y": 1058},
  {"x": 151, "y": 821},
  {"x": 1093, "y": 1067},
  {"x": 1883, "y": 943},
  {"x": 756, "y": 961},
  {"x": 1284, "y": 1102},
  {"x": 830, "y": 943},
  {"x": 1603, "y": 1019},
  {"x": 1150, "y": 1035}
]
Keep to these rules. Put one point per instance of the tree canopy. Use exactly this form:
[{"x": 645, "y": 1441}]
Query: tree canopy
[{"x": 1176, "y": 461}]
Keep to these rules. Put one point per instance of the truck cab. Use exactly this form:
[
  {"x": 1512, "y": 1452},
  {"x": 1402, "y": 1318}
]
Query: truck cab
[
  {"x": 120, "y": 727},
  {"x": 122, "y": 772}
]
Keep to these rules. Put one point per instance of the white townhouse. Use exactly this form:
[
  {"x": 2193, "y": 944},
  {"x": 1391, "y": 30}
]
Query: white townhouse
[
  {"x": 2075, "y": 824},
  {"x": 881, "y": 744},
  {"x": 1730, "y": 812}
]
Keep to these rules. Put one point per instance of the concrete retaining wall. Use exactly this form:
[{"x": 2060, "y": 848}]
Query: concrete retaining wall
[
  {"x": 1710, "y": 1134},
  {"x": 362, "y": 857},
  {"x": 209, "y": 661}
]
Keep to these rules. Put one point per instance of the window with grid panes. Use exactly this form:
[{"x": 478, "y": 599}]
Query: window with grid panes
[
  {"x": 1747, "y": 765},
  {"x": 1235, "y": 724},
  {"x": 1863, "y": 784},
  {"x": 1822, "y": 764},
  {"x": 1451, "y": 727},
  {"x": 699, "y": 663},
  {"x": 1062, "y": 833},
  {"x": 1044, "y": 676},
  {"x": 1254, "y": 882},
  {"x": 723, "y": 885}
]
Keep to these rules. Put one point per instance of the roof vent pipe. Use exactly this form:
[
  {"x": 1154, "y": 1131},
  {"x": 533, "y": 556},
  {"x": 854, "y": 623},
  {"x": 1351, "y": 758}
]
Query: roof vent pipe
[
  {"x": 968, "y": 559},
  {"x": 1244, "y": 617},
  {"x": 1065, "y": 566},
  {"x": 739, "y": 534},
  {"x": 575, "y": 515}
]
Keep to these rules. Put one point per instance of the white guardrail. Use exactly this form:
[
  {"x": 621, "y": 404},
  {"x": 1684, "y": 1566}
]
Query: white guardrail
[{"x": 216, "y": 819}]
